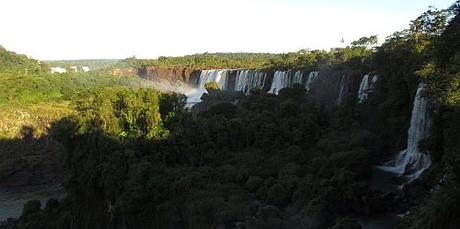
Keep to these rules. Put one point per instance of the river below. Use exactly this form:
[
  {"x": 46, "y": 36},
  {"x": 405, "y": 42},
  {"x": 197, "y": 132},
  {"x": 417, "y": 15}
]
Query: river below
[{"x": 12, "y": 199}]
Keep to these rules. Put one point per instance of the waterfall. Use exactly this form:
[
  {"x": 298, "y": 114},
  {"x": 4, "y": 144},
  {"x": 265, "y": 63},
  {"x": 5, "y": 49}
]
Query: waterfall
[
  {"x": 312, "y": 76},
  {"x": 280, "y": 81},
  {"x": 366, "y": 86},
  {"x": 219, "y": 76},
  {"x": 342, "y": 89},
  {"x": 241, "y": 80},
  {"x": 249, "y": 79},
  {"x": 283, "y": 79},
  {"x": 410, "y": 162},
  {"x": 298, "y": 78}
]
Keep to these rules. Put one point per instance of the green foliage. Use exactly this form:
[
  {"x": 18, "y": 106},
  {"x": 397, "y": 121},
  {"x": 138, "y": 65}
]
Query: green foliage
[
  {"x": 94, "y": 64},
  {"x": 12, "y": 63},
  {"x": 199, "y": 172},
  {"x": 301, "y": 59},
  {"x": 211, "y": 86},
  {"x": 366, "y": 41},
  {"x": 422, "y": 32},
  {"x": 139, "y": 159},
  {"x": 443, "y": 73},
  {"x": 430, "y": 24},
  {"x": 441, "y": 210},
  {"x": 25, "y": 81},
  {"x": 48, "y": 87},
  {"x": 172, "y": 104},
  {"x": 124, "y": 113},
  {"x": 37, "y": 116}
]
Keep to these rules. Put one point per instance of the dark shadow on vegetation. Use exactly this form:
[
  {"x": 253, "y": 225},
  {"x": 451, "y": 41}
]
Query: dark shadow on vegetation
[
  {"x": 265, "y": 162},
  {"x": 138, "y": 159},
  {"x": 29, "y": 160}
]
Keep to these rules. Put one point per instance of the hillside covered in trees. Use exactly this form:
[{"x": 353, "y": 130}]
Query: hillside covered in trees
[{"x": 300, "y": 59}]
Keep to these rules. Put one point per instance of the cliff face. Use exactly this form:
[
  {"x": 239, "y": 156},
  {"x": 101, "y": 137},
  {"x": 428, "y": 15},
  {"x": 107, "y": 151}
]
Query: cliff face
[
  {"x": 335, "y": 87},
  {"x": 186, "y": 75},
  {"x": 231, "y": 80},
  {"x": 331, "y": 87}
]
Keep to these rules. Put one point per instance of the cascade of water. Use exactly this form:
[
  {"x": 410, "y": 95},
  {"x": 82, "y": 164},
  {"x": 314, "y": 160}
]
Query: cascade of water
[
  {"x": 221, "y": 79},
  {"x": 241, "y": 83},
  {"x": 410, "y": 162},
  {"x": 206, "y": 76},
  {"x": 312, "y": 76},
  {"x": 259, "y": 79},
  {"x": 342, "y": 88},
  {"x": 366, "y": 86},
  {"x": 249, "y": 79},
  {"x": 218, "y": 76},
  {"x": 280, "y": 81},
  {"x": 363, "y": 86},
  {"x": 298, "y": 78},
  {"x": 283, "y": 79}
]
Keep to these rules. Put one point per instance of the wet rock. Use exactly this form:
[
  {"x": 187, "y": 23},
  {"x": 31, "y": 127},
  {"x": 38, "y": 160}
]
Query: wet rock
[
  {"x": 52, "y": 204},
  {"x": 31, "y": 208},
  {"x": 346, "y": 223},
  {"x": 268, "y": 217},
  {"x": 172, "y": 74}
]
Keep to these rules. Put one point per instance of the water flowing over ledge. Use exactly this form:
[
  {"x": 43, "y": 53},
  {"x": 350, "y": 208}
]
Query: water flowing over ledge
[
  {"x": 206, "y": 76},
  {"x": 410, "y": 163},
  {"x": 329, "y": 87},
  {"x": 249, "y": 79},
  {"x": 243, "y": 80},
  {"x": 366, "y": 87},
  {"x": 283, "y": 79}
]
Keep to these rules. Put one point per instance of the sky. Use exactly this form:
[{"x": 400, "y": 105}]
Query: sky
[{"x": 92, "y": 29}]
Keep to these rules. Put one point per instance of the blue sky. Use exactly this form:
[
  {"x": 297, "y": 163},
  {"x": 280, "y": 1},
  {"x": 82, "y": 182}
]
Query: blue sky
[{"x": 78, "y": 29}]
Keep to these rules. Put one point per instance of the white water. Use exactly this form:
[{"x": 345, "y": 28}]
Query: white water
[
  {"x": 366, "y": 87},
  {"x": 58, "y": 70},
  {"x": 280, "y": 81},
  {"x": 298, "y": 78},
  {"x": 249, "y": 79},
  {"x": 410, "y": 163},
  {"x": 283, "y": 79},
  {"x": 12, "y": 200},
  {"x": 219, "y": 76},
  {"x": 311, "y": 79},
  {"x": 342, "y": 88}
]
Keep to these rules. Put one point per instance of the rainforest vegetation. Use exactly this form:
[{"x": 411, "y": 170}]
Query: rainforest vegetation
[
  {"x": 93, "y": 64},
  {"x": 301, "y": 59},
  {"x": 135, "y": 157}
]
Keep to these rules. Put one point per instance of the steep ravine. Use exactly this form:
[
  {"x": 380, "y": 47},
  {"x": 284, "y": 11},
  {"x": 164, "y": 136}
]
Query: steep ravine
[
  {"x": 338, "y": 92},
  {"x": 333, "y": 89}
]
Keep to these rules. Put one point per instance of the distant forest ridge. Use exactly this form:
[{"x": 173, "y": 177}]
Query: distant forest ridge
[
  {"x": 93, "y": 64},
  {"x": 301, "y": 59}
]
